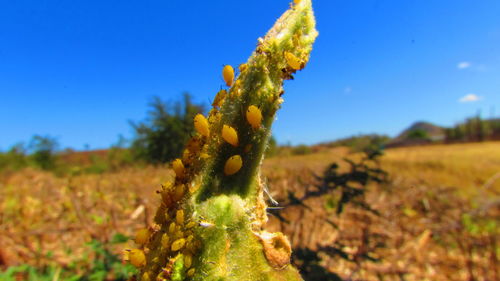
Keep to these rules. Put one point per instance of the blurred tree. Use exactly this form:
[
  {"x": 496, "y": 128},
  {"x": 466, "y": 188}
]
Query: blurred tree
[
  {"x": 474, "y": 129},
  {"x": 301, "y": 149},
  {"x": 161, "y": 137},
  {"x": 361, "y": 142},
  {"x": 43, "y": 149},
  {"x": 14, "y": 158}
]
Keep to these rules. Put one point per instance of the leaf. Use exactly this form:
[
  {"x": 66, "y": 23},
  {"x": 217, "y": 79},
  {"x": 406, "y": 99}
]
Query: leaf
[{"x": 119, "y": 238}]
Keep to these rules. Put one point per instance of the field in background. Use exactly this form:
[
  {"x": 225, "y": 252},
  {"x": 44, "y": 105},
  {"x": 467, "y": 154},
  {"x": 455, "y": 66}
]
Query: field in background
[
  {"x": 45, "y": 220},
  {"x": 468, "y": 166},
  {"x": 438, "y": 214}
]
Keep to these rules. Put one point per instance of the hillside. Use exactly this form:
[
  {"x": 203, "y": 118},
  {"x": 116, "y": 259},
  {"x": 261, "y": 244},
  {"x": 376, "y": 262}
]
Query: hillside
[{"x": 419, "y": 133}]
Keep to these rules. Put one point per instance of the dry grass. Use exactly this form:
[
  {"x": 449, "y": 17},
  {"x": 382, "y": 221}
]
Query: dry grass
[
  {"x": 41, "y": 213},
  {"x": 466, "y": 166}
]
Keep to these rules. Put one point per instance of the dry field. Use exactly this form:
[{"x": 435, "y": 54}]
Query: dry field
[
  {"x": 438, "y": 215},
  {"x": 471, "y": 167}
]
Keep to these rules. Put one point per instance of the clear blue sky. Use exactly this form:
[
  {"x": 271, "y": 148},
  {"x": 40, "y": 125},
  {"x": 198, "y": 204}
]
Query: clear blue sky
[{"x": 79, "y": 70}]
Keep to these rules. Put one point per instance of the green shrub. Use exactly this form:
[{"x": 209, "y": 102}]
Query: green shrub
[
  {"x": 301, "y": 149},
  {"x": 43, "y": 149},
  {"x": 14, "y": 159},
  {"x": 161, "y": 137}
]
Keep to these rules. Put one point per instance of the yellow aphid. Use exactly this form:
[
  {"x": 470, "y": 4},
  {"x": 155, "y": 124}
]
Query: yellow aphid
[
  {"x": 219, "y": 98},
  {"x": 254, "y": 116},
  {"x": 145, "y": 277},
  {"x": 190, "y": 272},
  {"x": 178, "y": 244},
  {"x": 228, "y": 75},
  {"x": 190, "y": 224},
  {"x": 233, "y": 165},
  {"x": 142, "y": 236},
  {"x": 178, "y": 168},
  {"x": 171, "y": 228},
  {"x": 178, "y": 192},
  {"x": 293, "y": 61},
  {"x": 190, "y": 238},
  {"x": 137, "y": 258},
  {"x": 242, "y": 67},
  {"x": 178, "y": 234},
  {"x": 188, "y": 261},
  {"x": 179, "y": 217},
  {"x": 230, "y": 135},
  {"x": 204, "y": 155},
  {"x": 164, "y": 240},
  {"x": 201, "y": 125},
  {"x": 167, "y": 184}
]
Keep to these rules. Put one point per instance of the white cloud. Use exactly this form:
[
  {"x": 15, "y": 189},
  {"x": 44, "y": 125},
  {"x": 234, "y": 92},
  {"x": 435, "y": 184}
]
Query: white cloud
[
  {"x": 470, "y": 98},
  {"x": 463, "y": 65}
]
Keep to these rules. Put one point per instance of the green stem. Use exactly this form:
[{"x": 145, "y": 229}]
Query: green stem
[{"x": 210, "y": 223}]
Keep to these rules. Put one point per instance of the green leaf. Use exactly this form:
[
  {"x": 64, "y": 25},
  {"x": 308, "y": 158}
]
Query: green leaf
[{"x": 119, "y": 238}]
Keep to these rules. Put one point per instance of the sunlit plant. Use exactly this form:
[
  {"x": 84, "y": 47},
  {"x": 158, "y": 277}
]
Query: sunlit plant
[{"x": 210, "y": 222}]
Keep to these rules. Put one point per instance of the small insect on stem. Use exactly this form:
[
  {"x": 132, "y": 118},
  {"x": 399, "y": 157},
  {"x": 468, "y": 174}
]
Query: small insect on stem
[
  {"x": 230, "y": 135},
  {"x": 201, "y": 125},
  {"x": 228, "y": 75},
  {"x": 142, "y": 236},
  {"x": 233, "y": 165},
  {"x": 293, "y": 61},
  {"x": 219, "y": 98},
  {"x": 178, "y": 168},
  {"x": 254, "y": 116},
  {"x": 137, "y": 258}
]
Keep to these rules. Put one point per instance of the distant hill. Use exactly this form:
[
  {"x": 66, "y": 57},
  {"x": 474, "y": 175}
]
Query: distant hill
[
  {"x": 419, "y": 133},
  {"x": 432, "y": 131}
]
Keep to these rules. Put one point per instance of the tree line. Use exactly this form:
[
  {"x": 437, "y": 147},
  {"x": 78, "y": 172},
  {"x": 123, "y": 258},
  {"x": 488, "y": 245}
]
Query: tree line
[
  {"x": 157, "y": 139},
  {"x": 474, "y": 129}
]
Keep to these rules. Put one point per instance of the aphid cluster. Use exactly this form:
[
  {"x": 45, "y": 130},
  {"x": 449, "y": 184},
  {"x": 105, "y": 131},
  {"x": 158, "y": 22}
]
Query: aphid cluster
[
  {"x": 174, "y": 233},
  {"x": 176, "y": 240},
  {"x": 228, "y": 133},
  {"x": 172, "y": 240},
  {"x": 222, "y": 158}
]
